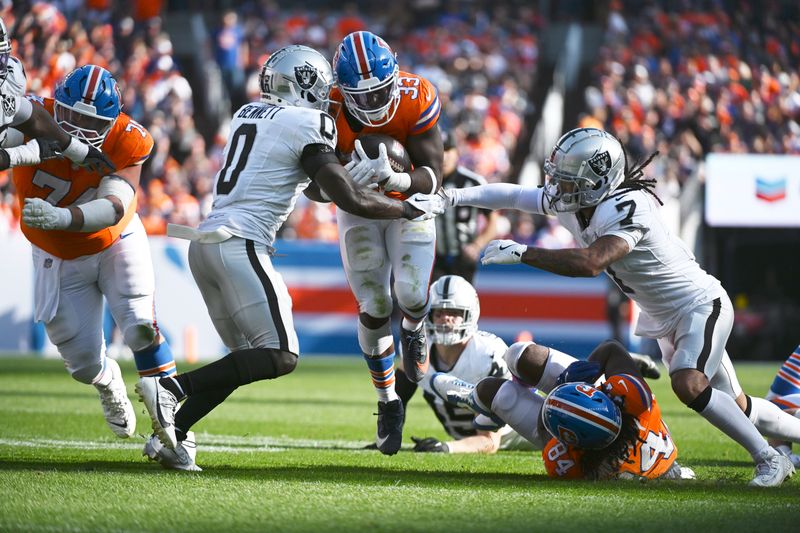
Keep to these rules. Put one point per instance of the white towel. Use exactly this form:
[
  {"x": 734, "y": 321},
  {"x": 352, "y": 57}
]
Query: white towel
[{"x": 46, "y": 285}]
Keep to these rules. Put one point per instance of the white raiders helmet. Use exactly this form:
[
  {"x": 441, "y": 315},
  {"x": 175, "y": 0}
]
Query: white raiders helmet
[
  {"x": 586, "y": 165},
  {"x": 296, "y": 75},
  {"x": 453, "y": 292}
]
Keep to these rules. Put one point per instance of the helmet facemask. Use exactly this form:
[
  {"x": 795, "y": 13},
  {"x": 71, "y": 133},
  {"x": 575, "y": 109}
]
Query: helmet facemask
[
  {"x": 455, "y": 310},
  {"x": 374, "y": 102},
  {"x": 82, "y": 122}
]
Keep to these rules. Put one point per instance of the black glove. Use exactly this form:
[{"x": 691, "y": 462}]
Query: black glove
[
  {"x": 430, "y": 444},
  {"x": 580, "y": 371},
  {"x": 48, "y": 149},
  {"x": 5, "y": 159},
  {"x": 97, "y": 161}
]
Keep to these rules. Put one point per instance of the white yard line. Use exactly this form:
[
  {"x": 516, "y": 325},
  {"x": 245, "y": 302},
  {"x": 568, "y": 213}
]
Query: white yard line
[{"x": 206, "y": 443}]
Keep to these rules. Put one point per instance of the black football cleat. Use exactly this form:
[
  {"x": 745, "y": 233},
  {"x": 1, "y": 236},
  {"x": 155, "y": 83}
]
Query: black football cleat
[
  {"x": 415, "y": 353},
  {"x": 390, "y": 427}
]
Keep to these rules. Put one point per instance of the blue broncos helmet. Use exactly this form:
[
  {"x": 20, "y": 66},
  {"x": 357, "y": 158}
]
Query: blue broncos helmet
[
  {"x": 366, "y": 72},
  {"x": 87, "y": 104},
  {"x": 581, "y": 415}
]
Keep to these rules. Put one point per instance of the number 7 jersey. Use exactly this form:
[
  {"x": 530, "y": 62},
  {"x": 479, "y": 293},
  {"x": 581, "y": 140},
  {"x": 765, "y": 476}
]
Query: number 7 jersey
[{"x": 63, "y": 184}]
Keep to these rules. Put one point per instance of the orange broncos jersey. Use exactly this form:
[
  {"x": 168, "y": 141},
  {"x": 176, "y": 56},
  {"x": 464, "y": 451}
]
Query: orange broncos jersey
[
  {"x": 649, "y": 457},
  {"x": 417, "y": 112},
  {"x": 63, "y": 184}
]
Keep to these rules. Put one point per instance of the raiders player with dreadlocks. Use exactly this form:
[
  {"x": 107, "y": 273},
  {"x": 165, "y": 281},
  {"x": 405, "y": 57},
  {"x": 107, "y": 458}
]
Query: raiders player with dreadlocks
[{"x": 610, "y": 209}]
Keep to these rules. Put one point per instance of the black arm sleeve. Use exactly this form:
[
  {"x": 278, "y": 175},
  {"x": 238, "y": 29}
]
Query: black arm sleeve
[{"x": 315, "y": 156}]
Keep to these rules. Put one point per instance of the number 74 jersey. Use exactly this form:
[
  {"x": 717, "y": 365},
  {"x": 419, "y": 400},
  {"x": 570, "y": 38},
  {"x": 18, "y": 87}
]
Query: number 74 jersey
[
  {"x": 63, "y": 184},
  {"x": 650, "y": 456}
]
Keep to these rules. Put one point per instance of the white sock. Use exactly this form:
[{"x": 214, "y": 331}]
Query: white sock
[
  {"x": 772, "y": 422},
  {"x": 726, "y": 416},
  {"x": 411, "y": 325},
  {"x": 105, "y": 376}
]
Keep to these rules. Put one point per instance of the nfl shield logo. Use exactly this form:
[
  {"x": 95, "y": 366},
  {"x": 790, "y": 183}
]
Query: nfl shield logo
[
  {"x": 600, "y": 163},
  {"x": 306, "y": 76}
]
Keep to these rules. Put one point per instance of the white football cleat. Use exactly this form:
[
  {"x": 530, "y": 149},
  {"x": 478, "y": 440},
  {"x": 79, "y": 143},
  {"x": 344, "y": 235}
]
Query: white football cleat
[
  {"x": 161, "y": 405},
  {"x": 181, "y": 458},
  {"x": 117, "y": 408},
  {"x": 773, "y": 469}
]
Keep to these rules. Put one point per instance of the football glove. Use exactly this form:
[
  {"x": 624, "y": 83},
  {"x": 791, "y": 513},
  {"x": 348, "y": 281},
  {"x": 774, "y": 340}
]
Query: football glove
[
  {"x": 423, "y": 207},
  {"x": 40, "y": 214},
  {"x": 580, "y": 371},
  {"x": 97, "y": 161},
  {"x": 647, "y": 366},
  {"x": 367, "y": 171},
  {"x": 430, "y": 445},
  {"x": 503, "y": 252}
]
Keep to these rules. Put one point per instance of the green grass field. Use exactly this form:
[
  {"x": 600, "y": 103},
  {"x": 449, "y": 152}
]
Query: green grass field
[{"x": 285, "y": 456}]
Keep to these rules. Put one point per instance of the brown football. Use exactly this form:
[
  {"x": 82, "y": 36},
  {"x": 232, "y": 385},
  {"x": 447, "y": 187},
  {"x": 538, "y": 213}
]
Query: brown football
[{"x": 398, "y": 157}]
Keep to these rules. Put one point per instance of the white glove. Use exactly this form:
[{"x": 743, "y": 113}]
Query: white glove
[
  {"x": 39, "y": 214},
  {"x": 379, "y": 170},
  {"x": 503, "y": 252},
  {"x": 429, "y": 204}
]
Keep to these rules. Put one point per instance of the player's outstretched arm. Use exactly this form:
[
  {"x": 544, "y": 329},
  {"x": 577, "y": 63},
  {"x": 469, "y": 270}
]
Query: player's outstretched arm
[
  {"x": 321, "y": 165},
  {"x": 50, "y": 141},
  {"x": 574, "y": 262},
  {"x": 500, "y": 196}
]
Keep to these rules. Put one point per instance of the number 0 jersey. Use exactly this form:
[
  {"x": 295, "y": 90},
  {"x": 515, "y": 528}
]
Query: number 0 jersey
[
  {"x": 258, "y": 186},
  {"x": 651, "y": 456},
  {"x": 64, "y": 184}
]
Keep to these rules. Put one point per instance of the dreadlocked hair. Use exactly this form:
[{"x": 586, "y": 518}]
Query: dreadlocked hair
[
  {"x": 635, "y": 180},
  {"x": 605, "y": 463}
]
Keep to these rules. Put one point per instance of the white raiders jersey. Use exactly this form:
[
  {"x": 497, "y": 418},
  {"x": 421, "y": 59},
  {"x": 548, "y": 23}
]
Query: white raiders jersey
[
  {"x": 482, "y": 357},
  {"x": 12, "y": 90},
  {"x": 258, "y": 186},
  {"x": 660, "y": 273}
]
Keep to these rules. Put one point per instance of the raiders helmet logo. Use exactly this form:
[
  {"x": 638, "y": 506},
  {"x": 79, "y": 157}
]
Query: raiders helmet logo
[
  {"x": 306, "y": 76},
  {"x": 600, "y": 163},
  {"x": 9, "y": 105}
]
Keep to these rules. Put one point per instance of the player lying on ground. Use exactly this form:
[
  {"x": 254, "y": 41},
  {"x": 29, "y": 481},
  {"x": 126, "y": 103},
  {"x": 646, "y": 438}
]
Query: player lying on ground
[
  {"x": 457, "y": 348},
  {"x": 276, "y": 148},
  {"x": 610, "y": 209},
  {"x": 611, "y": 430}
]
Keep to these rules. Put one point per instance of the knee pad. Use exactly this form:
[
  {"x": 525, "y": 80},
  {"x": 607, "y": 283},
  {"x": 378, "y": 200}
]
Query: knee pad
[
  {"x": 521, "y": 409},
  {"x": 86, "y": 374},
  {"x": 140, "y": 336},
  {"x": 374, "y": 342},
  {"x": 412, "y": 297},
  {"x": 513, "y": 354}
]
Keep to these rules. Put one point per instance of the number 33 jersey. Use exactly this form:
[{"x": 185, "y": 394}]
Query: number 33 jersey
[
  {"x": 262, "y": 177},
  {"x": 64, "y": 184},
  {"x": 651, "y": 456}
]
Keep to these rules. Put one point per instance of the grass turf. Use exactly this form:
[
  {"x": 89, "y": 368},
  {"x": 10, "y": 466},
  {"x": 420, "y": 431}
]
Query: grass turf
[{"x": 285, "y": 456}]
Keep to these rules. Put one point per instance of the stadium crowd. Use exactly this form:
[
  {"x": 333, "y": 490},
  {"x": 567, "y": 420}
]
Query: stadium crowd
[{"x": 685, "y": 79}]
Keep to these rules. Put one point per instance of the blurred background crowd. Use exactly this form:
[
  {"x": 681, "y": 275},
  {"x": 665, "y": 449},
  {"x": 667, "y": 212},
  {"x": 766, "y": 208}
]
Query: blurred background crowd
[{"x": 685, "y": 78}]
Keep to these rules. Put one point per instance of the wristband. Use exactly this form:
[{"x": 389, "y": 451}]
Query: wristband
[{"x": 76, "y": 151}]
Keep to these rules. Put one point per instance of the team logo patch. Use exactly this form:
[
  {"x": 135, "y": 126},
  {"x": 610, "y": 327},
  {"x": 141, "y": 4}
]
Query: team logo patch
[
  {"x": 306, "y": 76},
  {"x": 48, "y": 262},
  {"x": 9, "y": 105},
  {"x": 601, "y": 163}
]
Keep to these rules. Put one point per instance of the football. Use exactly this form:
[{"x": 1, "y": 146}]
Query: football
[{"x": 398, "y": 157}]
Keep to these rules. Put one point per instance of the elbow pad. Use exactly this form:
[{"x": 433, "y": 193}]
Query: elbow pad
[{"x": 101, "y": 213}]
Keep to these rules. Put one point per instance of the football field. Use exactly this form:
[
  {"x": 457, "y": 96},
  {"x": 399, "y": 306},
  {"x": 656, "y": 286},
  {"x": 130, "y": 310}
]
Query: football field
[{"x": 287, "y": 455}]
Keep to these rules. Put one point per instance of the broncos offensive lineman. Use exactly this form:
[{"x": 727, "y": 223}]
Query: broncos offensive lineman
[
  {"x": 275, "y": 149},
  {"x": 378, "y": 98},
  {"x": 610, "y": 210},
  {"x": 457, "y": 349}
]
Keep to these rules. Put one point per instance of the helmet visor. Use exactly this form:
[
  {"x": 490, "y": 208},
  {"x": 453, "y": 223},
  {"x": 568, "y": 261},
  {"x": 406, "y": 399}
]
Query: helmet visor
[{"x": 374, "y": 100}]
